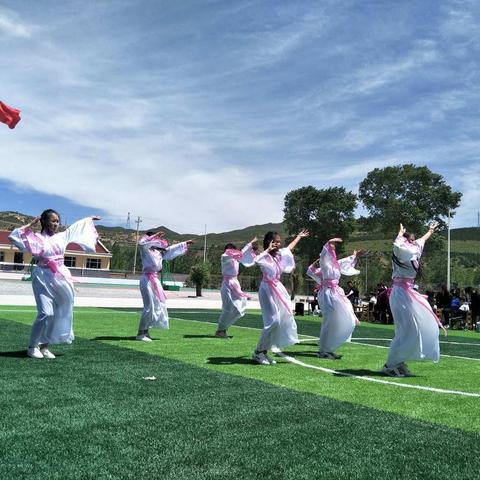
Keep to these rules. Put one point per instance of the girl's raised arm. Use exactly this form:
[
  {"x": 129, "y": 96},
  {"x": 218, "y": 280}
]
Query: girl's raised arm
[{"x": 302, "y": 234}]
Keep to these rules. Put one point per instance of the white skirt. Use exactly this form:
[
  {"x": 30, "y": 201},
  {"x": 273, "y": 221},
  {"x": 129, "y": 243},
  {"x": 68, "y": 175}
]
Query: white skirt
[
  {"x": 233, "y": 306},
  {"x": 155, "y": 313},
  {"x": 416, "y": 329},
  {"x": 339, "y": 319},
  {"x": 54, "y": 296},
  {"x": 279, "y": 326}
]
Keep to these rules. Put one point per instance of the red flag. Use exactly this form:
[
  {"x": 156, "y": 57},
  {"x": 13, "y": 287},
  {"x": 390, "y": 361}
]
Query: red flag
[{"x": 9, "y": 115}]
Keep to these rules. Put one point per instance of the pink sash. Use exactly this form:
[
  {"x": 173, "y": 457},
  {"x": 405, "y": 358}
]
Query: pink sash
[
  {"x": 53, "y": 263},
  {"x": 273, "y": 284},
  {"x": 156, "y": 286},
  {"x": 407, "y": 285},
  {"x": 333, "y": 284},
  {"x": 230, "y": 281}
]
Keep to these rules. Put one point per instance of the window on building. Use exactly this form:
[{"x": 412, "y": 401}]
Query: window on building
[
  {"x": 94, "y": 263},
  {"x": 70, "y": 261},
  {"x": 2, "y": 256},
  {"x": 18, "y": 259}
]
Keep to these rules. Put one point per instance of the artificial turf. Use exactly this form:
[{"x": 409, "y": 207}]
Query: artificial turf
[{"x": 211, "y": 413}]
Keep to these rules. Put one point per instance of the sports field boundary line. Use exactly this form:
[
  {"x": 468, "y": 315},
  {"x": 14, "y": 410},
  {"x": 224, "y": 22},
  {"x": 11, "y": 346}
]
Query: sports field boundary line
[
  {"x": 389, "y": 339},
  {"x": 374, "y": 380},
  {"x": 305, "y": 337},
  {"x": 441, "y": 341}
]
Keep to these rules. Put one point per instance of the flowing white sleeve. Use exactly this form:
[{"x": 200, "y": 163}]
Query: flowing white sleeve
[
  {"x": 175, "y": 251},
  {"x": 262, "y": 259},
  {"x": 315, "y": 273},
  {"x": 287, "y": 262},
  {"x": 420, "y": 244},
  {"x": 152, "y": 242},
  {"x": 327, "y": 257},
  {"x": 26, "y": 241},
  {"x": 248, "y": 256},
  {"x": 347, "y": 266},
  {"x": 82, "y": 233}
]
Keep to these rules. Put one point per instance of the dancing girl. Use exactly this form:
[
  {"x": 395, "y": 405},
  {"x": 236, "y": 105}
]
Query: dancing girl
[
  {"x": 234, "y": 301},
  {"x": 279, "y": 327},
  {"x": 416, "y": 325},
  {"x": 339, "y": 319},
  {"x": 154, "y": 249},
  {"x": 52, "y": 282}
]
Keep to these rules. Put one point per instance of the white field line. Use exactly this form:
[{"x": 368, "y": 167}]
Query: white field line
[
  {"x": 388, "y": 340},
  {"x": 376, "y": 380},
  {"x": 441, "y": 341}
]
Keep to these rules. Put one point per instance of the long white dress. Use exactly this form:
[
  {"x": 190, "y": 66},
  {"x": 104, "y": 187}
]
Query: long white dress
[
  {"x": 279, "y": 327},
  {"x": 416, "y": 325},
  {"x": 155, "y": 313},
  {"x": 234, "y": 301},
  {"x": 339, "y": 319},
  {"x": 51, "y": 280}
]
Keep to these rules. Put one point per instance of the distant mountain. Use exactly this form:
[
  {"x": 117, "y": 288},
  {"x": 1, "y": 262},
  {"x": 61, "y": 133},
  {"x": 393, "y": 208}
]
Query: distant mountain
[{"x": 111, "y": 235}]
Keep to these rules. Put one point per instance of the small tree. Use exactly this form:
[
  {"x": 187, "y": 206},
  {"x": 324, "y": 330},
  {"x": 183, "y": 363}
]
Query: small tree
[
  {"x": 199, "y": 276},
  {"x": 326, "y": 213}
]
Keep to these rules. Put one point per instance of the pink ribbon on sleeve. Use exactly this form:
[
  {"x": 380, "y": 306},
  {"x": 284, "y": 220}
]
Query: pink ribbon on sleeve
[{"x": 233, "y": 253}]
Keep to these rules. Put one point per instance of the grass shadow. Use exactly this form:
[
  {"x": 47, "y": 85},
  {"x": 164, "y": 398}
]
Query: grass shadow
[
  {"x": 303, "y": 354},
  {"x": 230, "y": 361},
  {"x": 15, "y": 354},
  {"x": 362, "y": 372},
  {"x": 206, "y": 336},
  {"x": 109, "y": 337}
]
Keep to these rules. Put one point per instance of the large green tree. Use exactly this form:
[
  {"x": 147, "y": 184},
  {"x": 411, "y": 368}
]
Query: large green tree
[
  {"x": 406, "y": 194},
  {"x": 326, "y": 213}
]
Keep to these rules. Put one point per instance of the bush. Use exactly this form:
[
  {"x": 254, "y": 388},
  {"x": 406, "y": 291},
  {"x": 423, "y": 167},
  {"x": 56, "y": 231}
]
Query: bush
[{"x": 199, "y": 276}]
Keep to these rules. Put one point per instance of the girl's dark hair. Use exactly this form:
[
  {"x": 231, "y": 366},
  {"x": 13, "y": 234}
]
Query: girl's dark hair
[
  {"x": 150, "y": 233},
  {"x": 45, "y": 217},
  {"x": 229, "y": 245},
  {"x": 417, "y": 266},
  {"x": 269, "y": 236}
]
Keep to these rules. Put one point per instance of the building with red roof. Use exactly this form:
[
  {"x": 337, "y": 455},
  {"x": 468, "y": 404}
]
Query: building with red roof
[{"x": 11, "y": 258}]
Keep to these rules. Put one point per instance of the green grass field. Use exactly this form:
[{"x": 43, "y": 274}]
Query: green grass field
[{"x": 211, "y": 413}]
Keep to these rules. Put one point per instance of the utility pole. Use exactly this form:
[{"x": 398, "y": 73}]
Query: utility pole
[
  {"x": 205, "y": 245},
  {"x": 448, "y": 251},
  {"x": 129, "y": 225},
  {"x": 138, "y": 222},
  {"x": 366, "y": 274}
]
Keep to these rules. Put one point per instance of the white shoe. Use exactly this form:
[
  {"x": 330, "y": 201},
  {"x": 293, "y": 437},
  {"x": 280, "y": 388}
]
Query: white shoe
[
  {"x": 260, "y": 358},
  {"x": 270, "y": 360},
  {"x": 47, "y": 353},
  {"x": 34, "y": 352},
  {"x": 392, "y": 372},
  {"x": 143, "y": 338}
]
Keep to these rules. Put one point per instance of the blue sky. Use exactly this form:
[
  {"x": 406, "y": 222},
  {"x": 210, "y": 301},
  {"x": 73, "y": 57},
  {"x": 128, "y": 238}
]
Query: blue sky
[{"x": 208, "y": 112}]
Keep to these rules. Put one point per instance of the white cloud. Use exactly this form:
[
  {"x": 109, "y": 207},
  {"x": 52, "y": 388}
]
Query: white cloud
[{"x": 12, "y": 26}]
